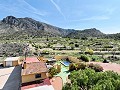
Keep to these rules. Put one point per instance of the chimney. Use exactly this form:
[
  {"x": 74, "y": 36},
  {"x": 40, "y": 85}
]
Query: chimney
[{"x": 24, "y": 65}]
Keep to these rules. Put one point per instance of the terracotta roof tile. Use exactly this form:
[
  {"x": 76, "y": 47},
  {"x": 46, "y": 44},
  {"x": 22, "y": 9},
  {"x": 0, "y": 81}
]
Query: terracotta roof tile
[
  {"x": 35, "y": 67},
  {"x": 31, "y": 59}
]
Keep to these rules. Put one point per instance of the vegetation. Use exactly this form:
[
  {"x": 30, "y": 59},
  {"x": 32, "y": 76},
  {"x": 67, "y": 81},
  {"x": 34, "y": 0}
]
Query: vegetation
[
  {"x": 85, "y": 58},
  {"x": 53, "y": 71},
  {"x": 88, "y": 79},
  {"x": 82, "y": 66},
  {"x": 89, "y": 51},
  {"x": 72, "y": 67},
  {"x": 96, "y": 67}
]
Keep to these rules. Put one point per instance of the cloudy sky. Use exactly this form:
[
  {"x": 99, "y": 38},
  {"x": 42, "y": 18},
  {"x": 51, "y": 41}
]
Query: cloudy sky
[{"x": 73, "y": 14}]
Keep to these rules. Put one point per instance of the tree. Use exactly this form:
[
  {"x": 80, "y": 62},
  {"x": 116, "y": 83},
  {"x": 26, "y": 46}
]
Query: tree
[
  {"x": 85, "y": 58},
  {"x": 88, "y": 79},
  {"x": 67, "y": 86},
  {"x": 53, "y": 71},
  {"x": 80, "y": 66},
  {"x": 72, "y": 67},
  {"x": 89, "y": 51}
]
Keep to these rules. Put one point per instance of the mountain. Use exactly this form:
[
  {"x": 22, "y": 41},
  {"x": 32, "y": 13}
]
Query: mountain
[
  {"x": 11, "y": 24},
  {"x": 93, "y": 32},
  {"x": 17, "y": 28}
]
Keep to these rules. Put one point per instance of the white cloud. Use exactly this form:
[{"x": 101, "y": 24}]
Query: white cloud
[
  {"x": 30, "y": 8},
  {"x": 58, "y": 8},
  {"x": 96, "y": 18},
  {"x": 21, "y": 8}
]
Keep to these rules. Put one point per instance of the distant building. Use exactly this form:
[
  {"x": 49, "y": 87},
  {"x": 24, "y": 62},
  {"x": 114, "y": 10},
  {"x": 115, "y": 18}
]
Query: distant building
[
  {"x": 11, "y": 61},
  {"x": 59, "y": 47}
]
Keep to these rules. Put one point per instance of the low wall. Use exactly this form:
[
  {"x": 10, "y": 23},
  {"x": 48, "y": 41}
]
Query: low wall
[
  {"x": 59, "y": 57},
  {"x": 31, "y": 77}
]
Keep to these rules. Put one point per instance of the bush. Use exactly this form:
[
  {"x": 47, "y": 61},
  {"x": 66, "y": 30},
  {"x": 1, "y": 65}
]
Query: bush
[
  {"x": 45, "y": 52},
  {"x": 53, "y": 71},
  {"x": 72, "y": 67},
  {"x": 96, "y": 67},
  {"x": 67, "y": 86},
  {"x": 76, "y": 45},
  {"x": 91, "y": 65},
  {"x": 90, "y": 51},
  {"x": 85, "y": 58},
  {"x": 80, "y": 66}
]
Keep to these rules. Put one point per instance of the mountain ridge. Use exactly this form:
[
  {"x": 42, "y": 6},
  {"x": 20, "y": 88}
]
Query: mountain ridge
[{"x": 11, "y": 25}]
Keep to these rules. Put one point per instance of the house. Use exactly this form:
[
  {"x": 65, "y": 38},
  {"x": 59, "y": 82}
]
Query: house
[
  {"x": 11, "y": 61},
  {"x": 59, "y": 47},
  {"x": 10, "y": 78},
  {"x": 34, "y": 71}
]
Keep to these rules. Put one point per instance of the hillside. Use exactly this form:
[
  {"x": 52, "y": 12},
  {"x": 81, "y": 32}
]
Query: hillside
[
  {"x": 28, "y": 26},
  {"x": 17, "y": 28},
  {"x": 86, "y": 33}
]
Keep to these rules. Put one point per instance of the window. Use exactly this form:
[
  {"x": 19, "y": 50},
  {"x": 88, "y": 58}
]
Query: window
[{"x": 37, "y": 75}]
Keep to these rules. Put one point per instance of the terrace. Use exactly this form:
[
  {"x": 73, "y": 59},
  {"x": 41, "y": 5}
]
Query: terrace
[{"x": 47, "y": 84}]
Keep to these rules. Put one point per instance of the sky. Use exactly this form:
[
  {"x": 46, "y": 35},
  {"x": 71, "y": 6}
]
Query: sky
[{"x": 103, "y": 15}]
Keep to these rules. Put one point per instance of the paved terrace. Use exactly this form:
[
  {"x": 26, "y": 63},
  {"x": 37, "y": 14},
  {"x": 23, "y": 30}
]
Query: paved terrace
[
  {"x": 55, "y": 83},
  {"x": 10, "y": 78}
]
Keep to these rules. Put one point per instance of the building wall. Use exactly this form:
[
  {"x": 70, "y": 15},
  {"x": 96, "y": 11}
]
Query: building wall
[
  {"x": 59, "y": 57},
  {"x": 15, "y": 63},
  {"x": 4, "y": 63},
  {"x": 31, "y": 77}
]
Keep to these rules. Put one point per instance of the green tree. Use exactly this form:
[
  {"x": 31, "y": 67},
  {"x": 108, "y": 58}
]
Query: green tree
[
  {"x": 72, "y": 67},
  {"x": 88, "y": 79},
  {"x": 53, "y": 71},
  {"x": 85, "y": 58}
]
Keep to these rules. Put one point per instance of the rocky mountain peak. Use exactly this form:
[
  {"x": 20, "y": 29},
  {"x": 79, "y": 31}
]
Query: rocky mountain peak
[{"x": 10, "y": 20}]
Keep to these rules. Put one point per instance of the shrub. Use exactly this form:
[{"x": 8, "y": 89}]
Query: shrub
[
  {"x": 67, "y": 86},
  {"x": 90, "y": 51},
  {"x": 96, "y": 67},
  {"x": 53, "y": 71},
  {"x": 91, "y": 65},
  {"x": 80, "y": 66},
  {"x": 76, "y": 45},
  {"x": 45, "y": 52},
  {"x": 85, "y": 58},
  {"x": 72, "y": 67}
]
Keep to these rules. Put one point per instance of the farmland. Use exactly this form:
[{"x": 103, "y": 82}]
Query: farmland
[{"x": 50, "y": 46}]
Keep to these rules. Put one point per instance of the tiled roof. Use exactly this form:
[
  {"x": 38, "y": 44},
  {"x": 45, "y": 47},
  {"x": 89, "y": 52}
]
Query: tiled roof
[
  {"x": 12, "y": 59},
  {"x": 35, "y": 67},
  {"x": 31, "y": 59}
]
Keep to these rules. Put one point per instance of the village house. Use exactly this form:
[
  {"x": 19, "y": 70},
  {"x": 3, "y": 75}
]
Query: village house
[{"x": 33, "y": 70}]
